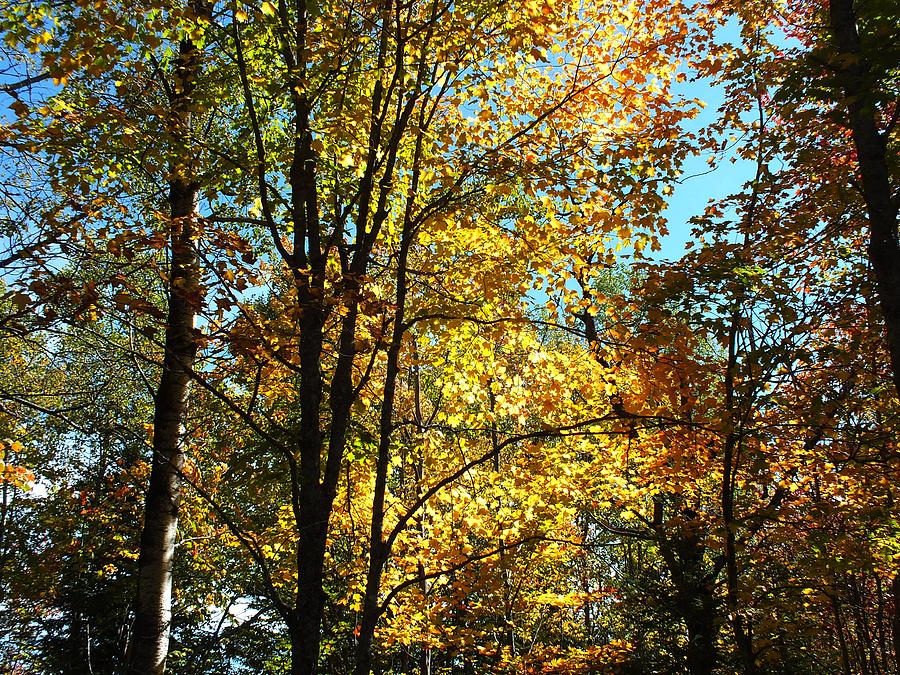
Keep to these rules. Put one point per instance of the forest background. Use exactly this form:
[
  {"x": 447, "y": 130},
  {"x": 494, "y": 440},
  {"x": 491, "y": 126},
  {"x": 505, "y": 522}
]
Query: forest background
[{"x": 337, "y": 337}]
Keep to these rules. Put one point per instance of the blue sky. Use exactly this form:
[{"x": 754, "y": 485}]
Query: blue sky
[{"x": 699, "y": 184}]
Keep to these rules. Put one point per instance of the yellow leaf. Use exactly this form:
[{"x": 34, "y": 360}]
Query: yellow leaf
[{"x": 268, "y": 8}]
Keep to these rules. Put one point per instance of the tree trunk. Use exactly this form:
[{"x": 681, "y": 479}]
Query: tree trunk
[
  {"x": 895, "y": 620},
  {"x": 696, "y": 604},
  {"x": 154, "y": 611},
  {"x": 742, "y": 636},
  {"x": 839, "y": 628},
  {"x": 698, "y": 618},
  {"x": 694, "y": 599},
  {"x": 310, "y": 600},
  {"x": 859, "y": 85},
  {"x": 379, "y": 547},
  {"x": 871, "y": 150},
  {"x": 153, "y": 615}
]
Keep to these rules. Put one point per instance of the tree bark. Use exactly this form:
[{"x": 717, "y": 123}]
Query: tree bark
[
  {"x": 310, "y": 599},
  {"x": 839, "y": 628},
  {"x": 859, "y": 85},
  {"x": 153, "y": 615},
  {"x": 379, "y": 549},
  {"x": 742, "y": 636},
  {"x": 698, "y": 617},
  {"x": 379, "y": 546},
  {"x": 695, "y": 601},
  {"x": 895, "y": 620}
]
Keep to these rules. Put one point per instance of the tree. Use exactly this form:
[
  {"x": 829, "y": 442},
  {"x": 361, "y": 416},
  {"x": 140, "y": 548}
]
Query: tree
[
  {"x": 359, "y": 197},
  {"x": 430, "y": 426},
  {"x": 865, "y": 74},
  {"x": 129, "y": 45},
  {"x": 153, "y": 613}
]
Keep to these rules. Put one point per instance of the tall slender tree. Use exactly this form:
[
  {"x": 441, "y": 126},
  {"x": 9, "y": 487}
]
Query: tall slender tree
[
  {"x": 153, "y": 613},
  {"x": 864, "y": 72}
]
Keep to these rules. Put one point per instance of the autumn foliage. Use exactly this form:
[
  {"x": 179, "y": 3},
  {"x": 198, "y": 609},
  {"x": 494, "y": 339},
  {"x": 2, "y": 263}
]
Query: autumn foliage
[{"x": 349, "y": 336}]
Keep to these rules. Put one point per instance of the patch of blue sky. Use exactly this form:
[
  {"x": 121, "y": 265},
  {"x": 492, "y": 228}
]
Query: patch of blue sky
[{"x": 702, "y": 182}]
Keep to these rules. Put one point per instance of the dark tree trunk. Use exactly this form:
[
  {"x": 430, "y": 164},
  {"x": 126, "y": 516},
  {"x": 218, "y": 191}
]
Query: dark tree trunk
[
  {"x": 310, "y": 599},
  {"x": 379, "y": 548},
  {"x": 697, "y": 606},
  {"x": 153, "y": 615},
  {"x": 695, "y": 601},
  {"x": 839, "y": 628},
  {"x": 742, "y": 636},
  {"x": 895, "y": 620},
  {"x": 314, "y": 481},
  {"x": 698, "y": 618},
  {"x": 314, "y": 508},
  {"x": 150, "y": 641},
  {"x": 859, "y": 86}
]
